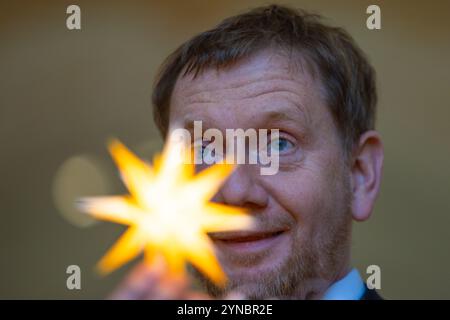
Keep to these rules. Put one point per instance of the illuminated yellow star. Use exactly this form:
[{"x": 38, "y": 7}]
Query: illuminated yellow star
[{"x": 168, "y": 211}]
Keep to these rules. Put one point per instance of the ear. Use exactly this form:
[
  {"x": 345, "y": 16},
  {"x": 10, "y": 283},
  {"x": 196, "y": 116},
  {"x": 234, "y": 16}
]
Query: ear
[{"x": 367, "y": 166}]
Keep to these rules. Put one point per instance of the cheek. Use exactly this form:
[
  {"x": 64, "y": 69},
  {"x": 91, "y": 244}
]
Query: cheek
[
  {"x": 311, "y": 197},
  {"x": 299, "y": 194}
]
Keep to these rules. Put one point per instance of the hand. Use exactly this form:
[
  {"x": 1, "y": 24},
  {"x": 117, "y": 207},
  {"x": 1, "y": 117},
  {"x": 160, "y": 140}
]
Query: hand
[{"x": 153, "y": 283}]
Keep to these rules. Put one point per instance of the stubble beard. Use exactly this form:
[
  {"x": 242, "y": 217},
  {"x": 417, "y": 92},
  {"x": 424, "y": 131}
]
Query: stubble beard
[{"x": 307, "y": 272}]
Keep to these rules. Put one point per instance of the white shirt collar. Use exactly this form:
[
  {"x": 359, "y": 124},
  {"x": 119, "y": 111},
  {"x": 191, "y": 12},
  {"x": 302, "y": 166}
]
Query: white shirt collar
[{"x": 351, "y": 287}]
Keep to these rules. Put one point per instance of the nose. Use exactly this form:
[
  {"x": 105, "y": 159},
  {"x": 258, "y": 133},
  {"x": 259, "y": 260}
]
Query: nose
[{"x": 242, "y": 189}]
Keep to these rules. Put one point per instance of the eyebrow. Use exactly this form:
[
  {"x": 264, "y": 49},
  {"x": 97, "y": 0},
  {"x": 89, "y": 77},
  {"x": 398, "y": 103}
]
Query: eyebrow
[
  {"x": 295, "y": 113},
  {"x": 276, "y": 116},
  {"x": 269, "y": 119},
  {"x": 188, "y": 123},
  {"x": 299, "y": 115}
]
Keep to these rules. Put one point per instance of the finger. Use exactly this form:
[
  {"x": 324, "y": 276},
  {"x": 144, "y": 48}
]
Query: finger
[
  {"x": 234, "y": 295},
  {"x": 169, "y": 286},
  {"x": 193, "y": 295},
  {"x": 137, "y": 284}
]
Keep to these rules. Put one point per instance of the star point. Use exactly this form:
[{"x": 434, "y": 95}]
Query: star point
[{"x": 168, "y": 211}]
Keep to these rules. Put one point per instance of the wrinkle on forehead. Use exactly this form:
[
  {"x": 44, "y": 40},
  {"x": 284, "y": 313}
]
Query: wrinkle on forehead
[
  {"x": 267, "y": 80},
  {"x": 262, "y": 71}
]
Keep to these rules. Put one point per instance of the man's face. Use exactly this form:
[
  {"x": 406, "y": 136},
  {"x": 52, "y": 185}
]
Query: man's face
[{"x": 301, "y": 242}]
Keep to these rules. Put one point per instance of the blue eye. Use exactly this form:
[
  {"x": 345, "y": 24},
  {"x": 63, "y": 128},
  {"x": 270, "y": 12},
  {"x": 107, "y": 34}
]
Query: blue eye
[
  {"x": 210, "y": 155},
  {"x": 206, "y": 152},
  {"x": 280, "y": 145},
  {"x": 202, "y": 152}
]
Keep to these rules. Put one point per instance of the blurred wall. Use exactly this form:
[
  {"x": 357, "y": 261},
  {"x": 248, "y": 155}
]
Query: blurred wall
[{"x": 64, "y": 93}]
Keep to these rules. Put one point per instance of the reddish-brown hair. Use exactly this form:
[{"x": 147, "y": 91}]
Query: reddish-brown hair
[{"x": 346, "y": 76}]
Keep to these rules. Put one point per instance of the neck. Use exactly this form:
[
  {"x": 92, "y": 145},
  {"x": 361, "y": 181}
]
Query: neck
[{"x": 315, "y": 288}]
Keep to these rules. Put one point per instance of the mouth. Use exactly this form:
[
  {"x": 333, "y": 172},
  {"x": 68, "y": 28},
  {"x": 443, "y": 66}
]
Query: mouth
[{"x": 247, "y": 242}]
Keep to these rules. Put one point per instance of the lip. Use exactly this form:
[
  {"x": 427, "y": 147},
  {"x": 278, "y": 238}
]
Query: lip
[{"x": 247, "y": 242}]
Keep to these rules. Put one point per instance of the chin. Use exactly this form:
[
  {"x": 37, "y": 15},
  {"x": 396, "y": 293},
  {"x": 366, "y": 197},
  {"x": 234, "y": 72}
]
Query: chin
[{"x": 268, "y": 276}]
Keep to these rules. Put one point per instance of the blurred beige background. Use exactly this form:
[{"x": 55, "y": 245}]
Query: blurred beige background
[{"x": 63, "y": 93}]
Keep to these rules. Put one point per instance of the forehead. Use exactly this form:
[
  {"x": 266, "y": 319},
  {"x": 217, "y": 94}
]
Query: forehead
[{"x": 264, "y": 83}]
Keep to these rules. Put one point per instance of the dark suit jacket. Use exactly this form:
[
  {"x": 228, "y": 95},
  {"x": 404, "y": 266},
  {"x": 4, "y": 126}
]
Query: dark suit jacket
[{"x": 371, "y": 294}]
